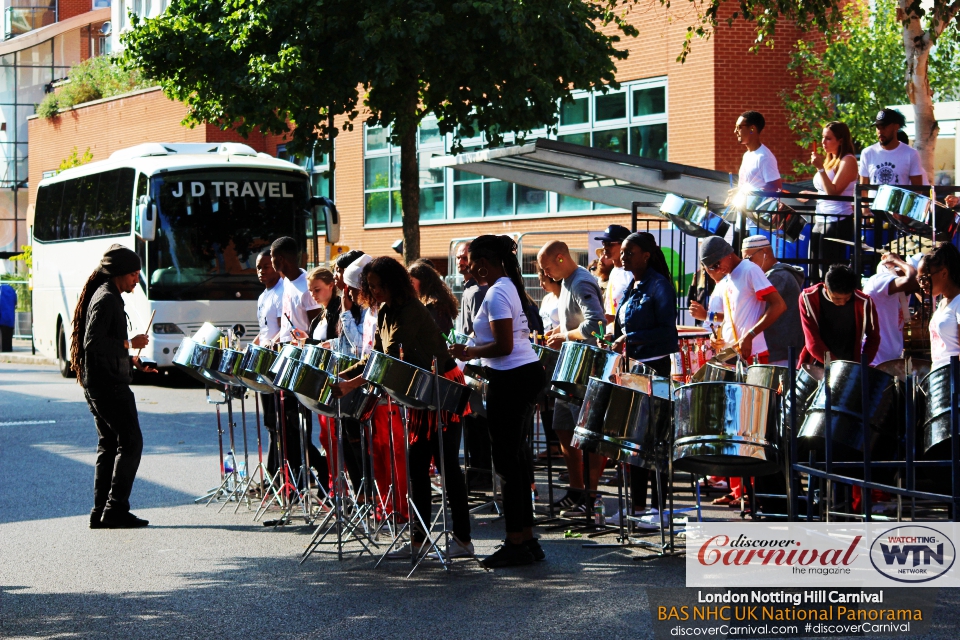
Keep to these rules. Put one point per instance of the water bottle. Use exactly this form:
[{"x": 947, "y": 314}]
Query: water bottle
[
  {"x": 599, "y": 512},
  {"x": 229, "y": 465}
]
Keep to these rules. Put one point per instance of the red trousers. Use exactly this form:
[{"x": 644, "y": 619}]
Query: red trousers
[{"x": 385, "y": 420}]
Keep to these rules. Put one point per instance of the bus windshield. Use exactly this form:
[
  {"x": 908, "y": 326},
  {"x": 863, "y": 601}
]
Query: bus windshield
[{"x": 212, "y": 223}]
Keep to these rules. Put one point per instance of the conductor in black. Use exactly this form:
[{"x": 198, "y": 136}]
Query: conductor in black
[{"x": 100, "y": 358}]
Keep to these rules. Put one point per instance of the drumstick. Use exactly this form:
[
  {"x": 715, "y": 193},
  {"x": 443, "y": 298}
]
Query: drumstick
[{"x": 147, "y": 329}]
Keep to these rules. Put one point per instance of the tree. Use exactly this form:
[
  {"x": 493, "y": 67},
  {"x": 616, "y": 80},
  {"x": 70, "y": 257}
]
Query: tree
[
  {"x": 920, "y": 30},
  {"x": 292, "y": 67},
  {"x": 852, "y": 77}
]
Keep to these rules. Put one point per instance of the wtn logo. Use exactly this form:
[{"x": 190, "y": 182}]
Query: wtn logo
[{"x": 912, "y": 553}]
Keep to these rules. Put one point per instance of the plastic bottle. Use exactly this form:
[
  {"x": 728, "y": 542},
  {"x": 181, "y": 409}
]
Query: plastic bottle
[
  {"x": 599, "y": 512},
  {"x": 229, "y": 465}
]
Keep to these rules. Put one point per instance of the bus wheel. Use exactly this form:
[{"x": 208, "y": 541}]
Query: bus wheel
[{"x": 62, "y": 363}]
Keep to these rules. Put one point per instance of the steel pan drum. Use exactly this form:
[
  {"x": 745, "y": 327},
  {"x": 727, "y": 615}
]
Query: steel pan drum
[
  {"x": 283, "y": 376},
  {"x": 228, "y": 371},
  {"x": 907, "y": 211},
  {"x": 807, "y": 382},
  {"x": 453, "y": 396},
  {"x": 208, "y": 334},
  {"x": 767, "y": 214},
  {"x": 693, "y": 218},
  {"x": 473, "y": 374},
  {"x": 358, "y": 404},
  {"x": 718, "y": 372},
  {"x": 725, "y": 429},
  {"x": 192, "y": 357},
  {"x": 898, "y": 368},
  {"x": 548, "y": 358},
  {"x": 578, "y": 363},
  {"x": 304, "y": 379},
  {"x": 846, "y": 400},
  {"x": 936, "y": 416},
  {"x": 766, "y": 375},
  {"x": 255, "y": 368},
  {"x": 408, "y": 385},
  {"x": 316, "y": 356},
  {"x": 288, "y": 352}
]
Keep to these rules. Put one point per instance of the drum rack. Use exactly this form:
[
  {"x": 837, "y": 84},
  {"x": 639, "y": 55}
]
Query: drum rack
[{"x": 822, "y": 476}]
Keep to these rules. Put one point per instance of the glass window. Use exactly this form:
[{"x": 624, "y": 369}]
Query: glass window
[
  {"x": 569, "y": 203},
  {"x": 377, "y": 138},
  {"x": 576, "y": 138},
  {"x": 432, "y": 204},
  {"x": 378, "y": 207},
  {"x": 648, "y": 102},
  {"x": 531, "y": 200},
  {"x": 649, "y": 141},
  {"x": 395, "y": 170},
  {"x": 428, "y": 175},
  {"x": 611, "y": 139},
  {"x": 430, "y": 133},
  {"x": 498, "y": 198},
  {"x": 611, "y": 106},
  {"x": 575, "y": 112},
  {"x": 46, "y": 221},
  {"x": 376, "y": 173},
  {"x": 468, "y": 200}
]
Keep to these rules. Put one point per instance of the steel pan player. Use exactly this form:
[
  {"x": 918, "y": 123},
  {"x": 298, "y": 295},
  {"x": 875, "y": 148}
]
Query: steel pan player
[
  {"x": 646, "y": 328},
  {"x": 268, "y": 318},
  {"x": 515, "y": 378},
  {"x": 407, "y": 331},
  {"x": 940, "y": 276}
]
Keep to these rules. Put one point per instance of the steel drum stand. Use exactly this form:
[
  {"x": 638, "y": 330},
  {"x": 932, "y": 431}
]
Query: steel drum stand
[
  {"x": 240, "y": 489},
  {"x": 230, "y": 482},
  {"x": 304, "y": 474},
  {"x": 551, "y": 516},
  {"x": 289, "y": 492},
  {"x": 215, "y": 490},
  {"x": 261, "y": 467}
]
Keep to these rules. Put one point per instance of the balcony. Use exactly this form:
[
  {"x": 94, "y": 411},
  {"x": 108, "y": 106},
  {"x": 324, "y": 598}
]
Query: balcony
[{"x": 24, "y": 16}]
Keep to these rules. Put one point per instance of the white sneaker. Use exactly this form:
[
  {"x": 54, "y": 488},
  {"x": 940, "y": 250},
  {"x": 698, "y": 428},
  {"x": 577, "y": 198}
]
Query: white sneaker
[
  {"x": 403, "y": 551},
  {"x": 457, "y": 550},
  {"x": 654, "y": 522},
  {"x": 614, "y": 520}
]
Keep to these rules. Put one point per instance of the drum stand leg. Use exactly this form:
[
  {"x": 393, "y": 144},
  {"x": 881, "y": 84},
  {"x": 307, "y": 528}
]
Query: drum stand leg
[
  {"x": 239, "y": 491},
  {"x": 215, "y": 491},
  {"x": 261, "y": 469},
  {"x": 288, "y": 490}
]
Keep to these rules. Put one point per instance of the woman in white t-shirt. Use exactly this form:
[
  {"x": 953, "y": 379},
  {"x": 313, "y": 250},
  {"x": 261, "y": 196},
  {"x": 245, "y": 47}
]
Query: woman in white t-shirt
[
  {"x": 515, "y": 378},
  {"x": 550, "y": 304},
  {"x": 836, "y": 176},
  {"x": 940, "y": 276}
]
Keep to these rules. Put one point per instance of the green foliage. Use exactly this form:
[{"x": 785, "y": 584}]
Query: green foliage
[
  {"x": 861, "y": 70},
  {"x": 93, "y": 79},
  {"x": 26, "y": 256},
  {"x": 75, "y": 159}
]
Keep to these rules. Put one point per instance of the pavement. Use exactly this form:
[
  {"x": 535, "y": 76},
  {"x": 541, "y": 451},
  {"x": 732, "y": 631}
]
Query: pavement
[
  {"x": 199, "y": 573},
  {"x": 23, "y": 354}
]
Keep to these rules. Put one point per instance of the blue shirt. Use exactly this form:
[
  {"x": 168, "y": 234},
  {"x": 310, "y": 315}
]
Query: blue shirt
[
  {"x": 648, "y": 316},
  {"x": 8, "y": 305}
]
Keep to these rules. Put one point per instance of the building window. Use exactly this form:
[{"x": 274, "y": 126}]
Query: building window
[
  {"x": 318, "y": 166},
  {"x": 631, "y": 120}
]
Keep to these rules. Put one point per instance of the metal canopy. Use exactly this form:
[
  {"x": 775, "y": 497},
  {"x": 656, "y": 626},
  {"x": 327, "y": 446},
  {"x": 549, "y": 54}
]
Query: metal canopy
[{"x": 598, "y": 175}]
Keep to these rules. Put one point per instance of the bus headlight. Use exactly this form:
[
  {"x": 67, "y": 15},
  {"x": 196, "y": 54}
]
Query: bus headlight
[{"x": 166, "y": 328}]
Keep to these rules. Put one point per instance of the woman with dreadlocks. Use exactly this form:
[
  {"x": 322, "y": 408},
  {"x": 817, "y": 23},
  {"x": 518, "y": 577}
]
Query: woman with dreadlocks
[
  {"x": 99, "y": 355},
  {"x": 515, "y": 378}
]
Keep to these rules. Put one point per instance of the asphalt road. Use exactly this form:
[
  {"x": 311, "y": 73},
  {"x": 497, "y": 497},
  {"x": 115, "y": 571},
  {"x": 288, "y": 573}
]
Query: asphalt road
[{"x": 197, "y": 573}]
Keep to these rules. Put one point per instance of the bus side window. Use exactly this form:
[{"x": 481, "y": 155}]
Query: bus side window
[
  {"x": 46, "y": 220},
  {"x": 85, "y": 223},
  {"x": 113, "y": 202}
]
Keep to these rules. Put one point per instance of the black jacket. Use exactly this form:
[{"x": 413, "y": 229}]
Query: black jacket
[
  {"x": 332, "y": 313},
  {"x": 106, "y": 363}
]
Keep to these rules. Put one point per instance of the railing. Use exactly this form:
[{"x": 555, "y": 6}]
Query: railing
[{"x": 26, "y": 17}]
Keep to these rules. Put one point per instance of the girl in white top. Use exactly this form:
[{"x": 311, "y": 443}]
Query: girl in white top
[
  {"x": 939, "y": 275},
  {"x": 550, "y": 304},
  {"x": 836, "y": 176},
  {"x": 515, "y": 378}
]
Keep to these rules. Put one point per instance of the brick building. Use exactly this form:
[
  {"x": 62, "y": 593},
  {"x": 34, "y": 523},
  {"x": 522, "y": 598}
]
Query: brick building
[{"x": 664, "y": 110}]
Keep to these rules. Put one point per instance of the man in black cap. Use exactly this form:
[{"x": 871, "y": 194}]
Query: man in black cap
[
  {"x": 101, "y": 359},
  {"x": 618, "y": 279},
  {"x": 890, "y": 161}
]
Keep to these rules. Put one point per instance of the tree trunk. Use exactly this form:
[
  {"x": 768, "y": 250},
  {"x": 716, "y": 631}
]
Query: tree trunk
[
  {"x": 410, "y": 186},
  {"x": 916, "y": 46}
]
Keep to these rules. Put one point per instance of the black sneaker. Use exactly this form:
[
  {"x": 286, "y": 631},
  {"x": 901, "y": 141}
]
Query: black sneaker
[
  {"x": 95, "y": 520},
  {"x": 122, "y": 521},
  {"x": 533, "y": 546},
  {"x": 509, "y": 555},
  {"x": 572, "y": 499}
]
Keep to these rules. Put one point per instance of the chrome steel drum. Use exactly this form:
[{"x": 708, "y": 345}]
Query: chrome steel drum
[
  {"x": 548, "y": 358},
  {"x": 692, "y": 217},
  {"x": 408, "y": 385},
  {"x": 288, "y": 352},
  {"x": 474, "y": 376},
  {"x": 936, "y": 416},
  {"x": 189, "y": 358},
  {"x": 207, "y": 360},
  {"x": 767, "y": 214},
  {"x": 725, "y": 429},
  {"x": 255, "y": 368},
  {"x": 304, "y": 379},
  {"x": 316, "y": 356},
  {"x": 898, "y": 368},
  {"x": 229, "y": 368},
  {"x": 358, "y": 404},
  {"x": 453, "y": 396},
  {"x": 578, "y": 363},
  {"x": 766, "y": 375},
  {"x": 807, "y": 381},
  {"x": 718, "y": 372},
  {"x": 340, "y": 362},
  {"x": 283, "y": 370},
  {"x": 906, "y": 210},
  {"x": 208, "y": 334},
  {"x": 846, "y": 400}
]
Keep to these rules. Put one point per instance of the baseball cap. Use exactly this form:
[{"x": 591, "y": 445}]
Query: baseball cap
[
  {"x": 614, "y": 233},
  {"x": 714, "y": 249},
  {"x": 889, "y": 116}
]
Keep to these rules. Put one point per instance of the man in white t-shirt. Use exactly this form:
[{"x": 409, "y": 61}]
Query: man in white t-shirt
[
  {"x": 268, "y": 304},
  {"x": 298, "y": 308},
  {"x": 890, "y": 161},
  {"x": 758, "y": 169},
  {"x": 744, "y": 297},
  {"x": 888, "y": 288},
  {"x": 618, "y": 279}
]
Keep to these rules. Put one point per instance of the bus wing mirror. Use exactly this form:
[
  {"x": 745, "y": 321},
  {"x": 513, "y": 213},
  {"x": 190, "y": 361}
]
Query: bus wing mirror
[
  {"x": 146, "y": 218},
  {"x": 326, "y": 210}
]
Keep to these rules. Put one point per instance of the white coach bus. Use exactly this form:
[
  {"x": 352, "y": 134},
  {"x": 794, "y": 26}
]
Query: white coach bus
[{"x": 196, "y": 214}]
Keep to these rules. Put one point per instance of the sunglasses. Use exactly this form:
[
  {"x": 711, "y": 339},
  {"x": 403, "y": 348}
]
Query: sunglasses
[{"x": 714, "y": 266}]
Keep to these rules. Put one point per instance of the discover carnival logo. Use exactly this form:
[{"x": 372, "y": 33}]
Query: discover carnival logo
[
  {"x": 807, "y": 555},
  {"x": 912, "y": 553}
]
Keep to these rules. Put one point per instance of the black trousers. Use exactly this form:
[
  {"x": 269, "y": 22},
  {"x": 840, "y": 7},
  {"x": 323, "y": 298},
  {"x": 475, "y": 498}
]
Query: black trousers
[
  {"x": 269, "y": 404},
  {"x": 511, "y": 396},
  {"x": 291, "y": 423},
  {"x": 639, "y": 476},
  {"x": 353, "y": 453},
  {"x": 422, "y": 451},
  {"x": 119, "y": 448},
  {"x": 825, "y": 252},
  {"x": 6, "y": 339},
  {"x": 476, "y": 440}
]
